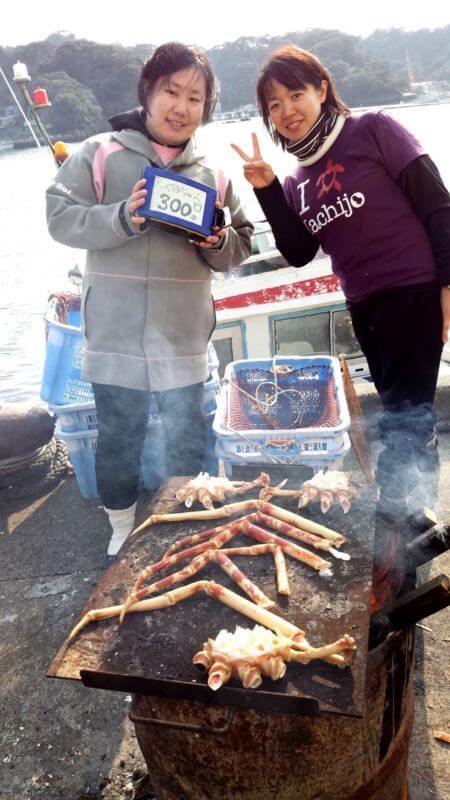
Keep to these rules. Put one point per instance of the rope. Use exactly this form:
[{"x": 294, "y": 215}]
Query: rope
[
  {"x": 19, "y": 462},
  {"x": 270, "y": 401}
]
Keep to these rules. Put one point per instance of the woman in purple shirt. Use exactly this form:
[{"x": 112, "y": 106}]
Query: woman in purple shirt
[{"x": 364, "y": 190}]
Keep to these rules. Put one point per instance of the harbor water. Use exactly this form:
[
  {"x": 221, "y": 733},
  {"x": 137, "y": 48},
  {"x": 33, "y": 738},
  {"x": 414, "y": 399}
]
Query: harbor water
[{"x": 32, "y": 265}]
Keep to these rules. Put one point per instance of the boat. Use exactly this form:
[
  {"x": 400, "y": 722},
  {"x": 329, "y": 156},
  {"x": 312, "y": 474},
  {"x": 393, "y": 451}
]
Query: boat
[{"x": 269, "y": 308}]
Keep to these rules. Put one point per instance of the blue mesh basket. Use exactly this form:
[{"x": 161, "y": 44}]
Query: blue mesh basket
[{"x": 281, "y": 396}]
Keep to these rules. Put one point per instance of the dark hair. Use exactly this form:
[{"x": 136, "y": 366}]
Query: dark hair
[
  {"x": 295, "y": 68},
  {"x": 172, "y": 57}
]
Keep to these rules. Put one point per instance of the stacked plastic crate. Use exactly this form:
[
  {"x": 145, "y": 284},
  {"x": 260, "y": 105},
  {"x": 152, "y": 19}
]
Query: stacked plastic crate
[
  {"x": 285, "y": 410},
  {"x": 72, "y": 400}
]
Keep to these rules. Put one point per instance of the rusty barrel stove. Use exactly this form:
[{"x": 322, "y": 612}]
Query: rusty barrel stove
[{"x": 263, "y": 756}]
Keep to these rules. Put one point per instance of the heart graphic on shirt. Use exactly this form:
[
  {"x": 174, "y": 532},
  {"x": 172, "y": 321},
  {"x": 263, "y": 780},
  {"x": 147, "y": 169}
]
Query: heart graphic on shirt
[{"x": 328, "y": 180}]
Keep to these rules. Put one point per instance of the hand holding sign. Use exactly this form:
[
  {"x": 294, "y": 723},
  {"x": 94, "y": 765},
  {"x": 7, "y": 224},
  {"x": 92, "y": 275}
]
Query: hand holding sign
[
  {"x": 258, "y": 172},
  {"x": 216, "y": 236},
  {"x": 137, "y": 199}
]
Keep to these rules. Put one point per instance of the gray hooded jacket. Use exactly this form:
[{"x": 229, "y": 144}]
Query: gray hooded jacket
[{"x": 147, "y": 309}]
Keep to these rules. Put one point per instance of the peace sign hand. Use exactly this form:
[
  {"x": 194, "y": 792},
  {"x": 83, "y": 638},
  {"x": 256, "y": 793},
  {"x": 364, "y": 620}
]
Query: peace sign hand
[{"x": 258, "y": 172}]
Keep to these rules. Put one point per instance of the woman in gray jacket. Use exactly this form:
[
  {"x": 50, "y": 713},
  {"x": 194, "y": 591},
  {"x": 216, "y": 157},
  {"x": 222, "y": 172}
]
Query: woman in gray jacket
[{"x": 147, "y": 308}]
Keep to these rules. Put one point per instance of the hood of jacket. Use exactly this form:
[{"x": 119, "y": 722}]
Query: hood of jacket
[{"x": 129, "y": 130}]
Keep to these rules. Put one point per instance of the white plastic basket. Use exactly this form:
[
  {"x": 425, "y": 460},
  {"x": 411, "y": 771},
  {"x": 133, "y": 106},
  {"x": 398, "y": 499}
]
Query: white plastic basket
[{"x": 254, "y": 458}]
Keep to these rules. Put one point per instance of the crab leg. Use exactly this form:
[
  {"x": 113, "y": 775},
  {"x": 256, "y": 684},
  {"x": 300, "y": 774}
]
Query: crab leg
[
  {"x": 244, "y": 486},
  {"x": 215, "y": 590},
  {"x": 282, "y": 576},
  {"x": 326, "y": 500},
  {"x": 273, "y": 491},
  {"x": 256, "y": 613},
  {"x": 344, "y": 499},
  {"x": 219, "y": 674},
  {"x": 345, "y": 647},
  {"x": 163, "y": 601},
  {"x": 170, "y": 561},
  {"x": 295, "y": 533},
  {"x": 301, "y": 522},
  {"x": 309, "y": 494},
  {"x": 216, "y": 542},
  {"x": 245, "y": 583},
  {"x": 214, "y": 513},
  {"x": 225, "y": 534},
  {"x": 278, "y": 555},
  {"x": 293, "y": 550},
  {"x": 165, "y": 583},
  {"x": 193, "y": 539},
  {"x": 191, "y": 569}
]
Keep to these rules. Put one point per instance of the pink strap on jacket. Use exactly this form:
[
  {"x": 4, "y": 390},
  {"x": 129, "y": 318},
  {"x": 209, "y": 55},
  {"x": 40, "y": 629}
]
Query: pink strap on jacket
[{"x": 99, "y": 166}]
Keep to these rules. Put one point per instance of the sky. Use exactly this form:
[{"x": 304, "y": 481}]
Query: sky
[{"x": 208, "y": 23}]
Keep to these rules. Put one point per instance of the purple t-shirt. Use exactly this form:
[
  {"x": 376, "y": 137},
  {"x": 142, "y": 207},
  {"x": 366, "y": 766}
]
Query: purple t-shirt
[{"x": 350, "y": 200}]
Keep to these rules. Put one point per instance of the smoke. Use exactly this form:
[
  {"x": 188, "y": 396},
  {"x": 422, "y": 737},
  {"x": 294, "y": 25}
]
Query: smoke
[{"x": 407, "y": 476}]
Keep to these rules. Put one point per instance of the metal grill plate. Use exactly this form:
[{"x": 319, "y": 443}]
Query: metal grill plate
[{"x": 152, "y": 653}]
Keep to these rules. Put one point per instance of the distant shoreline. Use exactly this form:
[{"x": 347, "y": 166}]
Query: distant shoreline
[
  {"x": 356, "y": 109},
  {"x": 403, "y": 105}
]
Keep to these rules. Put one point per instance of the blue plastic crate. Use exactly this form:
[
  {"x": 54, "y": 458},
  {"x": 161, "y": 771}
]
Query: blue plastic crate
[
  {"x": 285, "y": 409},
  {"x": 62, "y": 384},
  {"x": 82, "y": 445},
  {"x": 83, "y": 416}
]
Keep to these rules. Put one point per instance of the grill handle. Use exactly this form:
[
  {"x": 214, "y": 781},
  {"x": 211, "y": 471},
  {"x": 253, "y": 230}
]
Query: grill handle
[
  {"x": 431, "y": 543},
  {"x": 185, "y": 726},
  {"x": 409, "y": 609},
  {"x": 420, "y": 603}
]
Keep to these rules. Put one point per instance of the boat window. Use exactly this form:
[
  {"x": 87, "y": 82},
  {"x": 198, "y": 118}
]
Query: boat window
[
  {"x": 344, "y": 339},
  {"x": 227, "y": 343},
  {"x": 302, "y": 335},
  {"x": 224, "y": 350}
]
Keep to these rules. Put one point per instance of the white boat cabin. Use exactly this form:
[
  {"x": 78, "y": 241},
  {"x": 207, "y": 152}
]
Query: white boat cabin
[{"x": 268, "y": 308}]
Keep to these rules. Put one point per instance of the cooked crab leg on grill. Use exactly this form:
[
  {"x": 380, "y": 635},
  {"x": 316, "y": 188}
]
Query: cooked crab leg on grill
[
  {"x": 302, "y": 536},
  {"x": 215, "y": 590},
  {"x": 328, "y": 488},
  {"x": 293, "y": 550},
  {"x": 251, "y": 654},
  {"x": 191, "y": 569},
  {"x": 180, "y": 544},
  {"x": 345, "y": 646},
  {"x": 296, "y": 533},
  {"x": 221, "y": 558},
  {"x": 301, "y": 522},
  {"x": 268, "y": 619},
  {"x": 207, "y": 489},
  {"x": 278, "y": 555},
  {"x": 215, "y": 542},
  {"x": 214, "y": 513}
]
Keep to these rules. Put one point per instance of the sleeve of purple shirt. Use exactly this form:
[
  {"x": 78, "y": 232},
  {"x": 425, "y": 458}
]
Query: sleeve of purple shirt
[{"x": 395, "y": 144}]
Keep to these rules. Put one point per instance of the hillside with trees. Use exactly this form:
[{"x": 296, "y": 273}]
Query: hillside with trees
[
  {"x": 428, "y": 51},
  {"x": 87, "y": 82}
]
